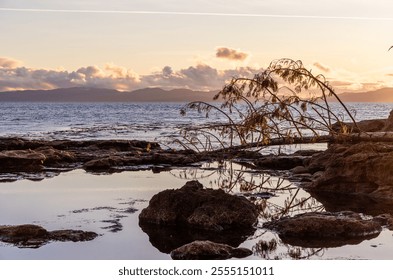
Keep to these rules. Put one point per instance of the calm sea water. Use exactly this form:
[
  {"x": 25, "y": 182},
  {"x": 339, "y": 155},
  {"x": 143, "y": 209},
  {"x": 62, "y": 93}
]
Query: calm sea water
[{"x": 144, "y": 121}]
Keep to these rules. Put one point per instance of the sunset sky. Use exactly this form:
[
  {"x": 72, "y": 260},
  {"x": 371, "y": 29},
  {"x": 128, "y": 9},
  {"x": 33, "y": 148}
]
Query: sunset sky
[{"x": 196, "y": 44}]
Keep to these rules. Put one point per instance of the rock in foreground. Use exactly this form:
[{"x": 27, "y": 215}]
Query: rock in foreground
[
  {"x": 207, "y": 250},
  {"x": 325, "y": 229},
  {"x": 195, "y": 207},
  {"x": 33, "y": 236}
]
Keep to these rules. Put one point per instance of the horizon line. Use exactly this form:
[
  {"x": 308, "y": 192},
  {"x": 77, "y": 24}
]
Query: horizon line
[{"x": 194, "y": 14}]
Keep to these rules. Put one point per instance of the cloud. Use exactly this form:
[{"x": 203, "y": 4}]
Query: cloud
[
  {"x": 231, "y": 54},
  {"x": 322, "y": 67},
  {"x": 198, "y": 77},
  {"x": 6, "y": 62}
]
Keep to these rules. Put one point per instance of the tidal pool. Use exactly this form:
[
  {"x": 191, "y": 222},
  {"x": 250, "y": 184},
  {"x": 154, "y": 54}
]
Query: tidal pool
[{"x": 110, "y": 204}]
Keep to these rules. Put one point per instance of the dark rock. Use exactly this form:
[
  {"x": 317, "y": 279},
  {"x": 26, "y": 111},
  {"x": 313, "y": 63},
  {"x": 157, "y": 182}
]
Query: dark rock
[
  {"x": 207, "y": 250},
  {"x": 325, "y": 229},
  {"x": 33, "y": 236},
  {"x": 196, "y": 207},
  {"x": 21, "y": 161},
  {"x": 362, "y": 168},
  {"x": 279, "y": 162}
]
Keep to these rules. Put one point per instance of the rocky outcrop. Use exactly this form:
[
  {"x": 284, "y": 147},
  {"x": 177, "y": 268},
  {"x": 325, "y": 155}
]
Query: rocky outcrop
[
  {"x": 33, "y": 236},
  {"x": 97, "y": 156},
  {"x": 362, "y": 168},
  {"x": 195, "y": 207},
  {"x": 325, "y": 229},
  {"x": 207, "y": 250}
]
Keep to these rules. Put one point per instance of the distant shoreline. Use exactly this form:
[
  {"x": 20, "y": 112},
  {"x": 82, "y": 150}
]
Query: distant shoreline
[{"x": 155, "y": 95}]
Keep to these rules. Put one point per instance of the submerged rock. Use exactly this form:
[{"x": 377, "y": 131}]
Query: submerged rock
[
  {"x": 196, "y": 207},
  {"x": 33, "y": 236},
  {"x": 207, "y": 250},
  {"x": 325, "y": 229}
]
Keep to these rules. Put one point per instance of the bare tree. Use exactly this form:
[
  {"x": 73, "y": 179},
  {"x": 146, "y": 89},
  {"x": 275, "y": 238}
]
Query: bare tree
[{"x": 283, "y": 104}]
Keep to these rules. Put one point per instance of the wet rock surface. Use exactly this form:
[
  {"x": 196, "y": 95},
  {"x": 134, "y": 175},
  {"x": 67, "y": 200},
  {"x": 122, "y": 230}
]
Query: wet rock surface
[
  {"x": 195, "y": 207},
  {"x": 325, "y": 229},
  {"x": 34, "y": 236},
  {"x": 207, "y": 250}
]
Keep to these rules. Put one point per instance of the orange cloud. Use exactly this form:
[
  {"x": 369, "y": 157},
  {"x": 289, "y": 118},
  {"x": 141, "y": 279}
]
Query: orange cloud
[
  {"x": 231, "y": 54},
  {"x": 322, "y": 67},
  {"x": 6, "y": 62}
]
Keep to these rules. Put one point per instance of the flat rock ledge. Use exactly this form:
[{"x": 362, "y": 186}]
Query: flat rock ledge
[
  {"x": 207, "y": 250},
  {"x": 195, "y": 207},
  {"x": 34, "y": 236},
  {"x": 327, "y": 229}
]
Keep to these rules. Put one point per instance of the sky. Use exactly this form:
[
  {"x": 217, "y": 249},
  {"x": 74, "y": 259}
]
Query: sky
[{"x": 198, "y": 44}]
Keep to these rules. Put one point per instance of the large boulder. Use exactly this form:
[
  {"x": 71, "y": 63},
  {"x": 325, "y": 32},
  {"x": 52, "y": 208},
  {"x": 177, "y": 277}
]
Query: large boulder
[
  {"x": 362, "y": 168},
  {"x": 325, "y": 229},
  {"x": 207, "y": 250},
  {"x": 195, "y": 207}
]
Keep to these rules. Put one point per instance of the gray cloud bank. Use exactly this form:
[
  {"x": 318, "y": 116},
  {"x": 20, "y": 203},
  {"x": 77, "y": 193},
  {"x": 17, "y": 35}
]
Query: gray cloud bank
[{"x": 14, "y": 76}]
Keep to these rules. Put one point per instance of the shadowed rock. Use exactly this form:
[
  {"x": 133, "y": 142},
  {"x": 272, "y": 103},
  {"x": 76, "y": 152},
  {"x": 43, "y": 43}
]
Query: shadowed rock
[
  {"x": 362, "y": 168},
  {"x": 207, "y": 250},
  {"x": 195, "y": 207},
  {"x": 325, "y": 229},
  {"x": 33, "y": 236}
]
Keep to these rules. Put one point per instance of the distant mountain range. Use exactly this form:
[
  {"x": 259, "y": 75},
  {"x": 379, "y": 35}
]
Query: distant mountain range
[
  {"x": 85, "y": 94},
  {"x": 384, "y": 95}
]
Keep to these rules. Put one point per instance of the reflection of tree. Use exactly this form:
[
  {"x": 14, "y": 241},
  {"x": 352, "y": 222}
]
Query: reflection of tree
[
  {"x": 268, "y": 250},
  {"x": 274, "y": 197}
]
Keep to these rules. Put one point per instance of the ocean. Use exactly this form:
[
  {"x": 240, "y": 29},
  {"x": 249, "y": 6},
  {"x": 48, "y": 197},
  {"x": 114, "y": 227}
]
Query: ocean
[{"x": 142, "y": 121}]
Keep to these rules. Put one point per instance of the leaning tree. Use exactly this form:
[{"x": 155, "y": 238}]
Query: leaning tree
[{"x": 284, "y": 104}]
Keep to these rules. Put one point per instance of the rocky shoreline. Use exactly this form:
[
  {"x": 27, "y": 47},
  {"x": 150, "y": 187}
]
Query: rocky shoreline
[{"x": 350, "y": 179}]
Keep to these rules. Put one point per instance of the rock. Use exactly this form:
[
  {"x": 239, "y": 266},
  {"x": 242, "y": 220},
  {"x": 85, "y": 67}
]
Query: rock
[
  {"x": 196, "y": 207},
  {"x": 389, "y": 123},
  {"x": 33, "y": 236},
  {"x": 385, "y": 220},
  {"x": 279, "y": 162},
  {"x": 207, "y": 250},
  {"x": 21, "y": 160},
  {"x": 299, "y": 170},
  {"x": 55, "y": 156},
  {"x": 325, "y": 229},
  {"x": 362, "y": 168}
]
